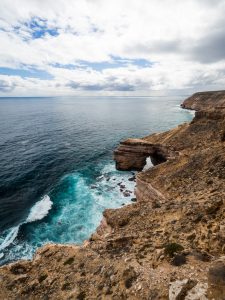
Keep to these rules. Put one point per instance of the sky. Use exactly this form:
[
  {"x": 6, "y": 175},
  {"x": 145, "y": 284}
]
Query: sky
[{"x": 111, "y": 47}]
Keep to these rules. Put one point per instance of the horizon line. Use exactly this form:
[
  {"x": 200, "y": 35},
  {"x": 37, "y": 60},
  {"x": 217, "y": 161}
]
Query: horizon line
[{"x": 100, "y": 96}]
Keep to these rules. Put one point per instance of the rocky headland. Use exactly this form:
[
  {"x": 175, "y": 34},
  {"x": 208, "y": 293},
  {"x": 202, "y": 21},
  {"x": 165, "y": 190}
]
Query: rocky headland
[
  {"x": 205, "y": 100},
  {"x": 170, "y": 244}
]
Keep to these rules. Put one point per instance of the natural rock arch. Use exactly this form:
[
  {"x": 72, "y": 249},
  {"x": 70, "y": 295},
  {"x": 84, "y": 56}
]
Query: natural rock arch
[{"x": 132, "y": 154}]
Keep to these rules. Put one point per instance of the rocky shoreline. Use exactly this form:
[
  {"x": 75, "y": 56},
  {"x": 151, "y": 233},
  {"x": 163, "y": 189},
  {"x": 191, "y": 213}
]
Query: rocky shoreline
[
  {"x": 170, "y": 244},
  {"x": 205, "y": 101}
]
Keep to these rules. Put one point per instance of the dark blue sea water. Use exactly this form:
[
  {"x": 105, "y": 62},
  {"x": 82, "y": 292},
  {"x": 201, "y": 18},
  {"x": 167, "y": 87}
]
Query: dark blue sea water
[{"x": 56, "y": 168}]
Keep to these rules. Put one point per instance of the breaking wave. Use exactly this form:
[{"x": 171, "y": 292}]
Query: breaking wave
[
  {"x": 40, "y": 209},
  {"x": 37, "y": 212}
]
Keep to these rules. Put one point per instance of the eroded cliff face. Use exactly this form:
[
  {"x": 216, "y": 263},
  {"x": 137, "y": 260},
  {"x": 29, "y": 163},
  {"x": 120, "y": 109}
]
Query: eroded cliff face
[
  {"x": 132, "y": 154},
  {"x": 170, "y": 244},
  {"x": 205, "y": 100}
]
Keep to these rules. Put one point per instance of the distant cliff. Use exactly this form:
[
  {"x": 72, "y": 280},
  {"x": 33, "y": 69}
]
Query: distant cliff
[{"x": 205, "y": 100}]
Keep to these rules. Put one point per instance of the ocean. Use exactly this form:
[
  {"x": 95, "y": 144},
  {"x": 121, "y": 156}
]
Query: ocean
[{"x": 57, "y": 174}]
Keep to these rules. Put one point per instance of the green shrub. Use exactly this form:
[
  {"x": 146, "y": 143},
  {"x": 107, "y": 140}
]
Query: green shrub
[
  {"x": 69, "y": 261},
  {"x": 172, "y": 248}
]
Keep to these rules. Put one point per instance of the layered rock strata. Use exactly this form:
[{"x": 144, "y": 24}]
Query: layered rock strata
[
  {"x": 205, "y": 100},
  {"x": 170, "y": 244},
  {"x": 132, "y": 154}
]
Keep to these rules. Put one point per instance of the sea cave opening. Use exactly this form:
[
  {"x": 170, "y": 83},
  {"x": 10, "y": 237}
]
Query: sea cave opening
[
  {"x": 154, "y": 159},
  {"x": 157, "y": 158}
]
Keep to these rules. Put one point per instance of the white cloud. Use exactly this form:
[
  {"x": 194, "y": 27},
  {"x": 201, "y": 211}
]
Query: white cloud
[{"x": 176, "y": 36}]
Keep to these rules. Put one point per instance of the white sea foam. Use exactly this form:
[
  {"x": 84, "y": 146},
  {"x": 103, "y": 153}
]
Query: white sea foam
[
  {"x": 40, "y": 209},
  {"x": 148, "y": 164},
  {"x": 113, "y": 188},
  {"x": 190, "y": 111},
  {"x": 37, "y": 212},
  {"x": 10, "y": 237}
]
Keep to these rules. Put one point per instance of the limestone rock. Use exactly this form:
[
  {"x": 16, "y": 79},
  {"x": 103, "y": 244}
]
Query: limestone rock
[
  {"x": 216, "y": 280},
  {"x": 187, "y": 289}
]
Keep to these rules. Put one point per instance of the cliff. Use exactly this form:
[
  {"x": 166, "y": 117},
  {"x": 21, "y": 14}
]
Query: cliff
[
  {"x": 132, "y": 154},
  {"x": 205, "y": 100},
  {"x": 170, "y": 244}
]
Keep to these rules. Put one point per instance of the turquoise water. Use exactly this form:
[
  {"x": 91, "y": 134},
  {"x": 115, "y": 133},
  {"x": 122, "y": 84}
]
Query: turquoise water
[{"x": 56, "y": 169}]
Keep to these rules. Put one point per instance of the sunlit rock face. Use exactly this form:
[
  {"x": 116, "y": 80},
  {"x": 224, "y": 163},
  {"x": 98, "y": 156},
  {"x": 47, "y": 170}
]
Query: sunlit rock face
[{"x": 132, "y": 154}]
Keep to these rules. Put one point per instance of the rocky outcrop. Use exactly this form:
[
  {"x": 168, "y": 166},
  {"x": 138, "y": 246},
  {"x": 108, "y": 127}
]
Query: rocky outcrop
[
  {"x": 208, "y": 126},
  {"x": 187, "y": 289},
  {"x": 170, "y": 244},
  {"x": 205, "y": 101},
  {"x": 132, "y": 154}
]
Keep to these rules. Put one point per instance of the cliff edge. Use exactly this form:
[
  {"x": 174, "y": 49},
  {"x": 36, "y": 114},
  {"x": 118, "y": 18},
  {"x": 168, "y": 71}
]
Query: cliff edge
[
  {"x": 170, "y": 244},
  {"x": 205, "y": 101}
]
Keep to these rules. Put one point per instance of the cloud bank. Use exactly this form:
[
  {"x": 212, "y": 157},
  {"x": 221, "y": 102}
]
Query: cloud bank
[{"x": 115, "y": 47}]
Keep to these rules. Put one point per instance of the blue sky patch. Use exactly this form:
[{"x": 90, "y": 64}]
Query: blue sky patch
[
  {"x": 32, "y": 73},
  {"x": 83, "y": 64},
  {"x": 38, "y": 28},
  {"x": 116, "y": 62},
  {"x": 144, "y": 63}
]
